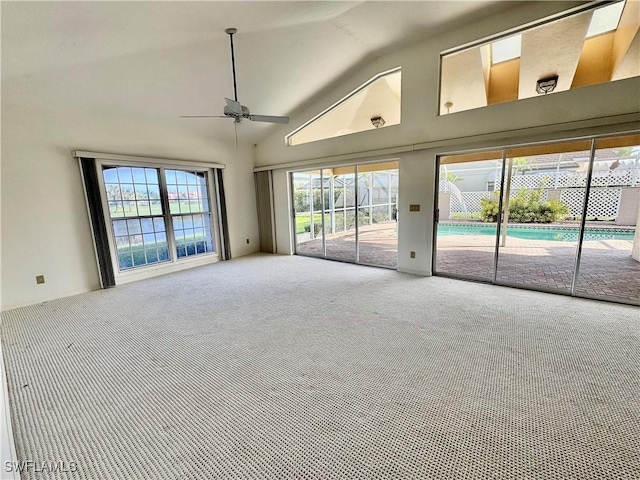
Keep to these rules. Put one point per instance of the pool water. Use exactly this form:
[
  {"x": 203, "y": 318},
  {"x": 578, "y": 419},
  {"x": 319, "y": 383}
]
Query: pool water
[{"x": 555, "y": 233}]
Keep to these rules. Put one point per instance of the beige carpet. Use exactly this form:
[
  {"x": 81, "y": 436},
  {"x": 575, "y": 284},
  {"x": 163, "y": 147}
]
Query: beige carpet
[{"x": 299, "y": 368}]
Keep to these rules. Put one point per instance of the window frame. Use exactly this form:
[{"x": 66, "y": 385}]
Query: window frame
[{"x": 174, "y": 263}]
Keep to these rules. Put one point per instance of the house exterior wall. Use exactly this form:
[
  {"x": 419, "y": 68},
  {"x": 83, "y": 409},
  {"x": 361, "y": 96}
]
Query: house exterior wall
[
  {"x": 629, "y": 206},
  {"x": 635, "y": 251}
]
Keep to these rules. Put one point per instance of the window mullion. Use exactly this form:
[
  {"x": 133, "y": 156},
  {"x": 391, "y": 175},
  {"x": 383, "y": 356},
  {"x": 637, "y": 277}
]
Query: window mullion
[{"x": 168, "y": 220}]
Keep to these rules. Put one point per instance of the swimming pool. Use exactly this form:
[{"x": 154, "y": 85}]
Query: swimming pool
[{"x": 553, "y": 233}]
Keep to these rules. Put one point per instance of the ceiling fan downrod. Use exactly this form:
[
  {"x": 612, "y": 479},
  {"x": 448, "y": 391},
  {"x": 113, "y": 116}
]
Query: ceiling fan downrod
[
  {"x": 231, "y": 32},
  {"x": 234, "y": 109}
]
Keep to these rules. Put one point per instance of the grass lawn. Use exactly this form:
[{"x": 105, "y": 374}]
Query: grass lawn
[
  {"x": 303, "y": 221},
  {"x": 153, "y": 207},
  {"x": 141, "y": 254}
]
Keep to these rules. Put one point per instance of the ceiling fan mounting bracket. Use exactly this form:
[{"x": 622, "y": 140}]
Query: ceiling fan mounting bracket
[{"x": 231, "y": 31}]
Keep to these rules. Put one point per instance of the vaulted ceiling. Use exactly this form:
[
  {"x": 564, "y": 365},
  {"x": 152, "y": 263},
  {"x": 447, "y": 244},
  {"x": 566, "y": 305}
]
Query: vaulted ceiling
[{"x": 155, "y": 61}]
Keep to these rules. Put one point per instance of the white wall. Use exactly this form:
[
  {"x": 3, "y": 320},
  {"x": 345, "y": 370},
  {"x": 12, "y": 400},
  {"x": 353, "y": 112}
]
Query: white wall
[
  {"x": 45, "y": 226},
  {"x": 415, "y": 229},
  {"x": 592, "y": 110}
]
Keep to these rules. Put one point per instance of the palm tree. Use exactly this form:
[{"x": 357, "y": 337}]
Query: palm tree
[
  {"x": 452, "y": 177},
  {"x": 521, "y": 164}
]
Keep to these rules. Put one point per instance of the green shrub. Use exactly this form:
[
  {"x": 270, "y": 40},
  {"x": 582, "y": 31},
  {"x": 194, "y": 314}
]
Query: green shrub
[
  {"x": 301, "y": 199},
  {"x": 526, "y": 207},
  {"x": 489, "y": 212},
  {"x": 380, "y": 217}
]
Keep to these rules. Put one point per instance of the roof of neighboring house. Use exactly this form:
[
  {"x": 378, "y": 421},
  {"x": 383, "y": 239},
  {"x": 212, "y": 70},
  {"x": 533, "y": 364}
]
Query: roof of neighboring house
[{"x": 572, "y": 159}]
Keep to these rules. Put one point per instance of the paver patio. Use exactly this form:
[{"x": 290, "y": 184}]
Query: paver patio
[
  {"x": 378, "y": 245},
  {"x": 606, "y": 269}
]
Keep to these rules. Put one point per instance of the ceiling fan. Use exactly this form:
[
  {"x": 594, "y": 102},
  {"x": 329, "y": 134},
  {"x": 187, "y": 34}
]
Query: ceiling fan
[{"x": 234, "y": 109}]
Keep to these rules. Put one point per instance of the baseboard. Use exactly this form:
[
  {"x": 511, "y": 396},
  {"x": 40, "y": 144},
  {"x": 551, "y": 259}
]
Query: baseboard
[{"x": 420, "y": 273}]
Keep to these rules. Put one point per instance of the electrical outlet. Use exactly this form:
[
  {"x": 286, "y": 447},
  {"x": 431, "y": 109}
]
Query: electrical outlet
[
  {"x": 39, "y": 279},
  {"x": 412, "y": 254},
  {"x": 247, "y": 240}
]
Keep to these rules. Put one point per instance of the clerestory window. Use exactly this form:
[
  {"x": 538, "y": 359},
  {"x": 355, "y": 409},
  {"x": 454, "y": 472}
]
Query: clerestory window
[
  {"x": 373, "y": 105},
  {"x": 587, "y": 46}
]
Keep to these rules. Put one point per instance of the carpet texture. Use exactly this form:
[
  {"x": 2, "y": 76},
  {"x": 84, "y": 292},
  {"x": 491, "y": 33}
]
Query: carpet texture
[{"x": 282, "y": 367}]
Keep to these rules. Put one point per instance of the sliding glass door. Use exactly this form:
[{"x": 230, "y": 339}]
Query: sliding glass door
[
  {"x": 340, "y": 213},
  {"x": 609, "y": 265},
  {"x": 558, "y": 217},
  {"x": 466, "y": 240},
  {"x": 353, "y": 214},
  {"x": 377, "y": 213},
  {"x": 539, "y": 232},
  {"x": 307, "y": 207}
]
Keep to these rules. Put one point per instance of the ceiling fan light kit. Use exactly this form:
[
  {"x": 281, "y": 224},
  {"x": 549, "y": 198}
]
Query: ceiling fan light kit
[
  {"x": 546, "y": 85},
  {"x": 377, "y": 122},
  {"x": 234, "y": 109}
]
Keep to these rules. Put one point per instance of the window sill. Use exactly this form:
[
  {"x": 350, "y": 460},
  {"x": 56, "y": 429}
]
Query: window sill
[{"x": 164, "y": 268}]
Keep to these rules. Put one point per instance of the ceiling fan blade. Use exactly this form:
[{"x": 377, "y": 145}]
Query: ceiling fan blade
[
  {"x": 203, "y": 116},
  {"x": 234, "y": 106},
  {"x": 268, "y": 119}
]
